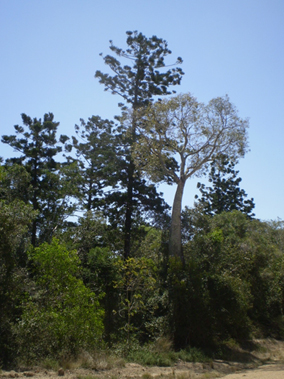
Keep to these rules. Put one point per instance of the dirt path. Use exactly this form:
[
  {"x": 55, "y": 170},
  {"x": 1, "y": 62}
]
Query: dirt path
[
  {"x": 180, "y": 371},
  {"x": 275, "y": 371}
]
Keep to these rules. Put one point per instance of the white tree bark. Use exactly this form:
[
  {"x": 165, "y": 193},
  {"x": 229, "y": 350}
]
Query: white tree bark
[{"x": 175, "y": 247}]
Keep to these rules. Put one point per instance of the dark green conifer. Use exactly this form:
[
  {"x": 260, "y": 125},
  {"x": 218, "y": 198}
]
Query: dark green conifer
[
  {"x": 225, "y": 194},
  {"x": 145, "y": 76},
  {"x": 37, "y": 143}
]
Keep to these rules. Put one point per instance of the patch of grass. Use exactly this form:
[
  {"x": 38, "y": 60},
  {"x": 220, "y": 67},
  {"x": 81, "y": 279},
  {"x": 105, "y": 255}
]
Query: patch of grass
[
  {"x": 192, "y": 355},
  {"x": 68, "y": 364},
  {"x": 262, "y": 349},
  {"x": 184, "y": 376},
  {"x": 98, "y": 360},
  {"x": 232, "y": 344},
  {"x": 167, "y": 376},
  {"x": 104, "y": 361},
  {"x": 147, "y": 376},
  {"x": 211, "y": 375},
  {"x": 147, "y": 357},
  {"x": 163, "y": 344},
  {"x": 49, "y": 364},
  {"x": 161, "y": 354}
]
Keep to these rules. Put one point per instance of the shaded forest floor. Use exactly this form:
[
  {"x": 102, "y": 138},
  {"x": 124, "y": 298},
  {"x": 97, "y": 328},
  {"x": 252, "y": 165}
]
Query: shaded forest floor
[{"x": 259, "y": 359}]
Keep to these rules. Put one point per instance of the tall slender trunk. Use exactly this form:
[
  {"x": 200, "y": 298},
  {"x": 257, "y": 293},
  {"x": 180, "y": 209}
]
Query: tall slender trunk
[
  {"x": 35, "y": 185},
  {"x": 90, "y": 195},
  {"x": 34, "y": 231},
  {"x": 130, "y": 184},
  {"x": 129, "y": 211},
  {"x": 175, "y": 248}
]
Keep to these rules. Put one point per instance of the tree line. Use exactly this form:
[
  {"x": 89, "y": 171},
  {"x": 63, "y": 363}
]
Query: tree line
[{"x": 129, "y": 267}]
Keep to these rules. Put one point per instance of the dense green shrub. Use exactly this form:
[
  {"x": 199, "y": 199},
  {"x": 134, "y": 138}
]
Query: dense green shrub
[
  {"x": 61, "y": 316},
  {"x": 231, "y": 284},
  {"x": 15, "y": 218}
]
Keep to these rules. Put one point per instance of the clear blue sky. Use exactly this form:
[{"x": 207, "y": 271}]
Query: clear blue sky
[{"x": 50, "y": 52}]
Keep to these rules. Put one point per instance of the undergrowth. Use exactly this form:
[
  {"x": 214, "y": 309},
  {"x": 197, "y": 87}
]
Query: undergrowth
[
  {"x": 159, "y": 353},
  {"x": 147, "y": 357}
]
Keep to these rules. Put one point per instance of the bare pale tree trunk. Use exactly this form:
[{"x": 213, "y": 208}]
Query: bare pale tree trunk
[{"x": 175, "y": 248}]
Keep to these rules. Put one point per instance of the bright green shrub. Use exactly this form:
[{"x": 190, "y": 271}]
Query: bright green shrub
[{"x": 62, "y": 316}]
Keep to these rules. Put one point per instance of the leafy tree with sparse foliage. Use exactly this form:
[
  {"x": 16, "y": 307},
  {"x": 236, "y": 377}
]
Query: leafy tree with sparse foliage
[{"x": 178, "y": 137}]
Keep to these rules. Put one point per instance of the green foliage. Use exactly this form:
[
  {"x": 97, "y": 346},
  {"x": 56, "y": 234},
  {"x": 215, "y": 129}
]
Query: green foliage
[
  {"x": 161, "y": 354},
  {"x": 231, "y": 284},
  {"x": 194, "y": 221},
  {"x": 136, "y": 282},
  {"x": 139, "y": 82},
  {"x": 152, "y": 321},
  {"x": 225, "y": 194},
  {"x": 62, "y": 316},
  {"x": 149, "y": 358},
  {"x": 96, "y": 160},
  {"x": 100, "y": 275},
  {"x": 15, "y": 183},
  {"x": 97, "y": 245},
  {"x": 112, "y": 276},
  {"x": 148, "y": 243},
  {"x": 15, "y": 219},
  {"x": 37, "y": 143},
  {"x": 90, "y": 231}
]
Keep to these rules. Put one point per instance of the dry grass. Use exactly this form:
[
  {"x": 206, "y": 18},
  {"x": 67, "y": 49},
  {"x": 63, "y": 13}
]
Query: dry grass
[
  {"x": 272, "y": 349},
  {"x": 98, "y": 361},
  {"x": 163, "y": 345}
]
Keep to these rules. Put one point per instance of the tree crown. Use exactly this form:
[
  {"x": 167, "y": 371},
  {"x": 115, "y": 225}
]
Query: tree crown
[
  {"x": 138, "y": 82},
  {"x": 179, "y": 136}
]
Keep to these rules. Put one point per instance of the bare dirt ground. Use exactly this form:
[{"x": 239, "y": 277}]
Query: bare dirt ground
[
  {"x": 180, "y": 371},
  {"x": 274, "y": 371},
  {"x": 266, "y": 362}
]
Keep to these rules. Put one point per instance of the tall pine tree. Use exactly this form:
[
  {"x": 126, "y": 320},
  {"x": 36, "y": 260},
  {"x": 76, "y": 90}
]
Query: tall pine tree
[
  {"x": 37, "y": 143},
  {"x": 145, "y": 76}
]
